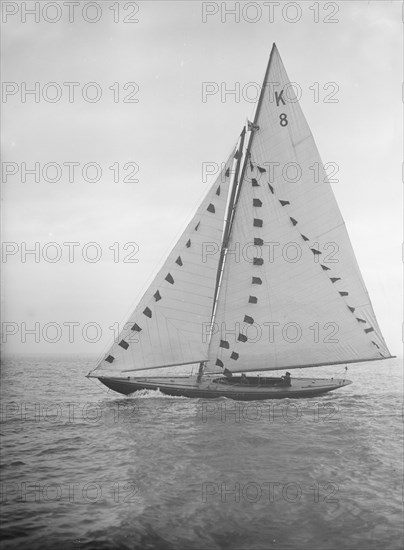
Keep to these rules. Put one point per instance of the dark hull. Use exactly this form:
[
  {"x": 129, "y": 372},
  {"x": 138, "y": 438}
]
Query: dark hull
[{"x": 211, "y": 389}]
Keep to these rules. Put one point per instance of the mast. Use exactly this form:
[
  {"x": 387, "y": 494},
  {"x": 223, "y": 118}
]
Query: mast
[
  {"x": 237, "y": 184},
  {"x": 251, "y": 136},
  {"x": 230, "y": 209},
  {"x": 235, "y": 194}
]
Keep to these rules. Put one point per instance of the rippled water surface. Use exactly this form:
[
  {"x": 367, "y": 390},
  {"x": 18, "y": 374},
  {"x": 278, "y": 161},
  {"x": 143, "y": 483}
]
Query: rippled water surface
[{"x": 83, "y": 467}]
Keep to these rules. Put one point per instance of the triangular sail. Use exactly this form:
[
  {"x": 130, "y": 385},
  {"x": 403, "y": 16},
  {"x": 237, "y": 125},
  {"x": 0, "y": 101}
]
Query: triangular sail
[
  {"x": 170, "y": 324},
  {"x": 292, "y": 294}
]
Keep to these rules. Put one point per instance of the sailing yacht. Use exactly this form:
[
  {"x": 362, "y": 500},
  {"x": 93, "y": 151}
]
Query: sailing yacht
[{"x": 264, "y": 277}]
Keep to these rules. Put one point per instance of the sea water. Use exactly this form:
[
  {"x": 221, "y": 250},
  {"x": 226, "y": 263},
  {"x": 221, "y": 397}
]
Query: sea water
[{"x": 84, "y": 467}]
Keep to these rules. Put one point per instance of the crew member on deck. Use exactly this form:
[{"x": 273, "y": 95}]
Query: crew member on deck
[{"x": 287, "y": 380}]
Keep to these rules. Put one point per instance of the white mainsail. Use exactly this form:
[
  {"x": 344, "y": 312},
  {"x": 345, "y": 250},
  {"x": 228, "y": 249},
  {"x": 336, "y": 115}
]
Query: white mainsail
[
  {"x": 166, "y": 328},
  {"x": 291, "y": 294}
]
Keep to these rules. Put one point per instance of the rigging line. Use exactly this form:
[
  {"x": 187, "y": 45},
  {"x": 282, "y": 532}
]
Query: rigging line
[
  {"x": 317, "y": 365},
  {"x": 329, "y": 230},
  {"x": 236, "y": 189},
  {"x": 251, "y": 138},
  {"x": 166, "y": 366},
  {"x": 223, "y": 249},
  {"x": 237, "y": 184},
  {"x": 226, "y": 234}
]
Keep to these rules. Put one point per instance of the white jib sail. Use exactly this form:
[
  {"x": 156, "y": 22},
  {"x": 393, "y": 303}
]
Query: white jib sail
[{"x": 170, "y": 325}]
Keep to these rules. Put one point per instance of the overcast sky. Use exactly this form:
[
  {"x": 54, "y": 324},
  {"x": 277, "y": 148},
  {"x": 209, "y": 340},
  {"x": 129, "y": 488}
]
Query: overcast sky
[{"x": 170, "y": 132}]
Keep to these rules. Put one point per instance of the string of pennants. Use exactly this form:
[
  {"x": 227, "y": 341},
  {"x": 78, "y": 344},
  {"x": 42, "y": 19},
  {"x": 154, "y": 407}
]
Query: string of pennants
[
  {"x": 169, "y": 278},
  {"x": 258, "y": 222}
]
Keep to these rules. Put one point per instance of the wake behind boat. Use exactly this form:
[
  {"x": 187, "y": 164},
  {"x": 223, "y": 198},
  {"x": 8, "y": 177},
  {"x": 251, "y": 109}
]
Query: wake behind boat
[{"x": 263, "y": 278}]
